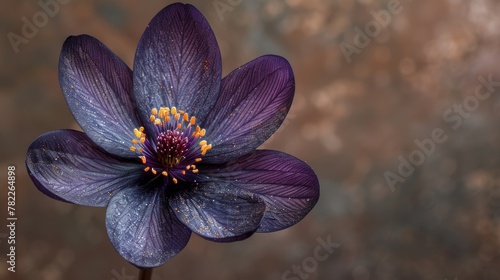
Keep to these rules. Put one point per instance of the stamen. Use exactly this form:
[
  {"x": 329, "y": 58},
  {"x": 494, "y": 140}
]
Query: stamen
[
  {"x": 137, "y": 133},
  {"x": 171, "y": 145}
]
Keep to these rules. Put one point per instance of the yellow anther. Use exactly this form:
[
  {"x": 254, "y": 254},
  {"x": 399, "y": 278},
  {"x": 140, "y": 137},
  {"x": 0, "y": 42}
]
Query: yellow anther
[
  {"x": 202, "y": 132},
  {"x": 181, "y": 111},
  {"x": 197, "y": 159},
  {"x": 193, "y": 166},
  {"x": 143, "y": 139},
  {"x": 140, "y": 150},
  {"x": 179, "y": 126},
  {"x": 134, "y": 141},
  {"x": 192, "y": 121},
  {"x": 177, "y": 117},
  {"x": 137, "y": 133},
  {"x": 185, "y": 117},
  {"x": 167, "y": 118},
  {"x": 152, "y": 118},
  {"x": 205, "y": 149},
  {"x": 203, "y": 143},
  {"x": 195, "y": 171},
  {"x": 141, "y": 129},
  {"x": 198, "y": 129},
  {"x": 183, "y": 172},
  {"x": 154, "y": 111},
  {"x": 153, "y": 171},
  {"x": 164, "y": 173},
  {"x": 188, "y": 167},
  {"x": 143, "y": 159},
  {"x": 174, "y": 111},
  {"x": 147, "y": 168},
  {"x": 132, "y": 148},
  {"x": 175, "y": 180},
  {"x": 157, "y": 121}
]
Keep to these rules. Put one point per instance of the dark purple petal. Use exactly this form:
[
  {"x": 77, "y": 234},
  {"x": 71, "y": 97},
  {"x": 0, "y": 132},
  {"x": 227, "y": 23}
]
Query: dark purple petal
[
  {"x": 287, "y": 185},
  {"x": 67, "y": 165},
  {"x": 98, "y": 88},
  {"x": 232, "y": 238},
  {"x": 143, "y": 228},
  {"x": 177, "y": 64},
  {"x": 253, "y": 103},
  {"x": 218, "y": 211}
]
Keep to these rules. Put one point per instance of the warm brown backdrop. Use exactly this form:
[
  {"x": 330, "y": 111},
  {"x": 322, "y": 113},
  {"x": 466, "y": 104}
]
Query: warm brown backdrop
[{"x": 349, "y": 121}]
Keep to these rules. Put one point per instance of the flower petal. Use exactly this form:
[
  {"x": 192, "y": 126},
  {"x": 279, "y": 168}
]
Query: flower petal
[
  {"x": 143, "y": 228},
  {"x": 218, "y": 211},
  {"x": 177, "y": 64},
  {"x": 253, "y": 103},
  {"x": 98, "y": 87},
  {"x": 68, "y": 166},
  {"x": 287, "y": 185}
]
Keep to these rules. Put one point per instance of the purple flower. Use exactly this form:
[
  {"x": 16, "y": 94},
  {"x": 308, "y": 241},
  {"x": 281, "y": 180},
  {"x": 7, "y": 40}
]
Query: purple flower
[{"x": 170, "y": 148}]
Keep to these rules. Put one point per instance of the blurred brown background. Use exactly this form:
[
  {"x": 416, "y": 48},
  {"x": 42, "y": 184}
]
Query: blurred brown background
[{"x": 349, "y": 121}]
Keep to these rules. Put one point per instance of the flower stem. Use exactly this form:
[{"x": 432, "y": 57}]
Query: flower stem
[{"x": 145, "y": 273}]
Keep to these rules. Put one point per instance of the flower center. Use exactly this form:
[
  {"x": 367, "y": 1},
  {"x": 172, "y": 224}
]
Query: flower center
[
  {"x": 170, "y": 147},
  {"x": 175, "y": 147}
]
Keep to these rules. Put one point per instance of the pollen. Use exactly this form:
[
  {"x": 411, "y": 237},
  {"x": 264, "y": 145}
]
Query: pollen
[{"x": 175, "y": 145}]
